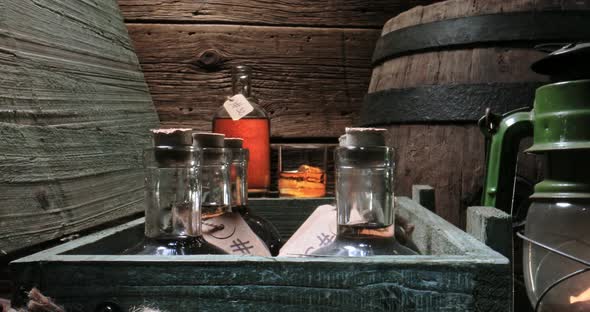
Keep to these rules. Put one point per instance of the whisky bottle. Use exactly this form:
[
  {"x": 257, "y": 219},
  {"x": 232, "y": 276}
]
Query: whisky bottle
[
  {"x": 364, "y": 197},
  {"x": 263, "y": 228},
  {"x": 254, "y": 128},
  {"x": 173, "y": 197}
]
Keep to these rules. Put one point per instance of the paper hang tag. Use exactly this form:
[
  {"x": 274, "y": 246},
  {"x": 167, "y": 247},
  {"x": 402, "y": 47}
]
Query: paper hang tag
[
  {"x": 317, "y": 231},
  {"x": 232, "y": 234},
  {"x": 238, "y": 106}
]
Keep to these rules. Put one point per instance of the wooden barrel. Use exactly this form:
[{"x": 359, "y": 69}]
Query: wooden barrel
[{"x": 437, "y": 68}]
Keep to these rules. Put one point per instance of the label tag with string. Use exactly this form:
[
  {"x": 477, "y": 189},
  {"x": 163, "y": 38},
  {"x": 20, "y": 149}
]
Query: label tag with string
[{"x": 238, "y": 106}]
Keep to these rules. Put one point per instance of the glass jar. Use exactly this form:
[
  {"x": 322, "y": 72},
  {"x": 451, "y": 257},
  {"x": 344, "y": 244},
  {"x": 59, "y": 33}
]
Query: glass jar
[
  {"x": 365, "y": 203},
  {"x": 173, "y": 203}
]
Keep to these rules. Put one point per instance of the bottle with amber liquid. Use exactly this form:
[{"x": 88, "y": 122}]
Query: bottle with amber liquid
[
  {"x": 265, "y": 230},
  {"x": 364, "y": 197},
  {"x": 254, "y": 128}
]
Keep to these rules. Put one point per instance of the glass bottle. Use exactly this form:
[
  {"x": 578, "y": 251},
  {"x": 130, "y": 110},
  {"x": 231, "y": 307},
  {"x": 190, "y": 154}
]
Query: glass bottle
[
  {"x": 239, "y": 197},
  {"x": 364, "y": 199},
  {"x": 173, "y": 198},
  {"x": 214, "y": 175},
  {"x": 254, "y": 128}
]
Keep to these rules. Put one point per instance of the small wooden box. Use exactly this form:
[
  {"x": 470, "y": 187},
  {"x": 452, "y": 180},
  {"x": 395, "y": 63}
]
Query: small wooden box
[{"x": 456, "y": 273}]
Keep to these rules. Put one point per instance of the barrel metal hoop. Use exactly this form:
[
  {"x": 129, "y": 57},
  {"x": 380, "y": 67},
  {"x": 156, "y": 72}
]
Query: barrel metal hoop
[
  {"x": 517, "y": 29},
  {"x": 445, "y": 103}
]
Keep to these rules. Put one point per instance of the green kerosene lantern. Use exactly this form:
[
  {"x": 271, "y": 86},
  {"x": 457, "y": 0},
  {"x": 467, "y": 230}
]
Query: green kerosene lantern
[{"x": 556, "y": 250}]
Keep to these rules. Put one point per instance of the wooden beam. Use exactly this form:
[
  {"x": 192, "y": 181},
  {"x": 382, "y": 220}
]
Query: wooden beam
[{"x": 342, "y": 13}]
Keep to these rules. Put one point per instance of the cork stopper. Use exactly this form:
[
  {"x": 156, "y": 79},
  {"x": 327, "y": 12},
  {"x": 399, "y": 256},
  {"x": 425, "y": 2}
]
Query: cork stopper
[
  {"x": 172, "y": 137},
  {"x": 207, "y": 139},
  {"x": 172, "y": 147},
  {"x": 366, "y": 137},
  {"x": 233, "y": 142}
]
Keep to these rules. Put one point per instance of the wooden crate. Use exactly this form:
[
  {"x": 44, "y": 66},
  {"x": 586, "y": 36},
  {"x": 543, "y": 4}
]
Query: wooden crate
[{"x": 456, "y": 273}]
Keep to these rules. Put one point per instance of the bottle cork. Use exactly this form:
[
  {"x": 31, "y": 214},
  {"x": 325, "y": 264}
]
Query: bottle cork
[
  {"x": 234, "y": 142},
  {"x": 208, "y": 140},
  {"x": 365, "y": 137},
  {"x": 172, "y": 137},
  {"x": 172, "y": 147}
]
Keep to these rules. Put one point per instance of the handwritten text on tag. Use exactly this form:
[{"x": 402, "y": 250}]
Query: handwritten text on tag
[{"x": 238, "y": 106}]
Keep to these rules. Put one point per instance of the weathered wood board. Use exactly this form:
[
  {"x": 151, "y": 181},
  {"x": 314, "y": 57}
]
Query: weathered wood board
[
  {"x": 456, "y": 273},
  {"x": 74, "y": 117},
  {"x": 310, "y": 80},
  {"x": 311, "y": 60},
  {"x": 342, "y": 13}
]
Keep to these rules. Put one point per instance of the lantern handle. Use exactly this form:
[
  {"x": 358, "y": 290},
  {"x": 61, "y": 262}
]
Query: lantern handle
[{"x": 505, "y": 133}]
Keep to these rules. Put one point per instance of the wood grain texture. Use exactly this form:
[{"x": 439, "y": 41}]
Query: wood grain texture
[
  {"x": 461, "y": 274},
  {"x": 310, "y": 80},
  {"x": 74, "y": 117},
  {"x": 460, "y": 8},
  {"x": 450, "y": 158},
  {"x": 473, "y": 65},
  {"x": 342, "y": 13}
]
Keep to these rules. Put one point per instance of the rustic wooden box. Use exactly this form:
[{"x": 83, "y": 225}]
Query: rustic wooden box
[{"x": 456, "y": 273}]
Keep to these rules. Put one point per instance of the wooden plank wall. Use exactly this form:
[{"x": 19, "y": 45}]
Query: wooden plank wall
[
  {"x": 74, "y": 118},
  {"x": 311, "y": 59}
]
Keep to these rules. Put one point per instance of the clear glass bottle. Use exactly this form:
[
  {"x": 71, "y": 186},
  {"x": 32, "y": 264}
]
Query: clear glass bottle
[
  {"x": 254, "y": 128},
  {"x": 265, "y": 230},
  {"x": 173, "y": 198},
  {"x": 214, "y": 174},
  {"x": 364, "y": 199}
]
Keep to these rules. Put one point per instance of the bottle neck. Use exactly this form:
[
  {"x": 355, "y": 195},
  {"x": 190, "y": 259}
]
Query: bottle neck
[
  {"x": 241, "y": 83},
  {"x": 214, "y": 178},
  {"x": 238, "y": 179},
  {"x": 174, "y": 193},
  {"x": 364, "y": 188}
]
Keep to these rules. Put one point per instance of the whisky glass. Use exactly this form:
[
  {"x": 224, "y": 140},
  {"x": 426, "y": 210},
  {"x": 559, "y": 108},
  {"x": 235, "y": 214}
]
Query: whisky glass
[{"x": 302, "y": 170}]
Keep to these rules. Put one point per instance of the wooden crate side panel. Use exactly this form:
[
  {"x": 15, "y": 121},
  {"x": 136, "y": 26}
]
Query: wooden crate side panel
[
  {"x": 74, "y": 119},
  {"x": 312, "y": 286},
  {"x": 310, "y": 80}
]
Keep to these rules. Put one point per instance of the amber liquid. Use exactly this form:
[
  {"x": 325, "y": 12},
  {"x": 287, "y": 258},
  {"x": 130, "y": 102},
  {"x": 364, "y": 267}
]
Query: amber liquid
[
  {"x": 307, "y": 181},
  {"x": 256, "y": 135}
]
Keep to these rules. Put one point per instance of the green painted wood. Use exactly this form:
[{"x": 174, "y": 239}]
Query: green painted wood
[
  {"x": 460, "y": 274},
  {"x": 74, "y": 117}
]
